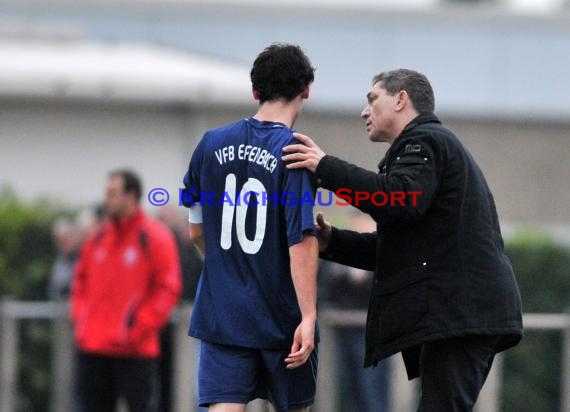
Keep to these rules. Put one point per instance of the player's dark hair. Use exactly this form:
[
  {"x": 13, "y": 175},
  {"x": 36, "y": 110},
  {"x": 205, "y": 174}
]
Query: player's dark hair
[
  {"x": 415, "y": 84},
  {"x": 281, "y": 71},
  {"x": 131, "y": 182}
]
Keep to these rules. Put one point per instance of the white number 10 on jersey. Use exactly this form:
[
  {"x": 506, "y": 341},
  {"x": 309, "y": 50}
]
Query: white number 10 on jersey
[{"x": 239, "y": 209}]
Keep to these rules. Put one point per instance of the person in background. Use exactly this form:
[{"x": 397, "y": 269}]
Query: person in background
[
  {"x": 348, "y": 288},
  {"x": 68, "y": 237},
  {"x": 190, "y": 266},
  {"x": 191, "y": 260},
  {"x": 125, "y": 285},
  {"x": 66, "y": 244}
]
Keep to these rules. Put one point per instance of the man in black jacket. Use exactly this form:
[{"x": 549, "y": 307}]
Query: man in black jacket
[{"x": 444, "y": 293}]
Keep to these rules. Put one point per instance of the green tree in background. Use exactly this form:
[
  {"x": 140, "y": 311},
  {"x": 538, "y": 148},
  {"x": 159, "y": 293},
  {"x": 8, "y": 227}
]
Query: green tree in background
[
  {"x": 532, "y": 369},
  {"x": 26, "y": 248},
  {"x": 26, "y": 255}
]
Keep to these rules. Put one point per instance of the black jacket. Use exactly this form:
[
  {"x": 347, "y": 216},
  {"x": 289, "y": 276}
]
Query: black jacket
[{"x": 440, "y": 270}]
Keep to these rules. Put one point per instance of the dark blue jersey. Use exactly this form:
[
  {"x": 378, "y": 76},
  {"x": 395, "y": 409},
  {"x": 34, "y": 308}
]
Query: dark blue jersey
[{"x": 252, "y": 210}]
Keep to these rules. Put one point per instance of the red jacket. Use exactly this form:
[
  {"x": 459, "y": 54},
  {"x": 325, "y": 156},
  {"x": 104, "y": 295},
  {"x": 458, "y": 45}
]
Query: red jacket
[{"x": 127, "y": 281}]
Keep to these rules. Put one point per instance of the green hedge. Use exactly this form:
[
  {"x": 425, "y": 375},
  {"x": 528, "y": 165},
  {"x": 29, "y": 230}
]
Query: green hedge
[
  {"x": 26, "y": 247},
  {"x": 26, "y": 254},
  {"x": 532, "y": 369}
]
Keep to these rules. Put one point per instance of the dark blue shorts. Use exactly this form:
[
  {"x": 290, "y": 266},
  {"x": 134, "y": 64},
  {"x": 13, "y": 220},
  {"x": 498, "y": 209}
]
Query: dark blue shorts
[{"x": 233, "y": 374}]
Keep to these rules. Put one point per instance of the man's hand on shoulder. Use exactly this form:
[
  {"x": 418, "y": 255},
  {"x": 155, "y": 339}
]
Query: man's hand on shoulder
[{"x": 305, "y": 155}]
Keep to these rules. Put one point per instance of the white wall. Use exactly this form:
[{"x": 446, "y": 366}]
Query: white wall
[{"x": 65, "y": 151}]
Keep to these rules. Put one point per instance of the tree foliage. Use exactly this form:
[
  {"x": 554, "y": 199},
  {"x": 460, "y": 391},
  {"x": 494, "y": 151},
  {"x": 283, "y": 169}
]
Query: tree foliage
[
  {"x": 26, "y": 255},
  {"x": 26, "y": 248},
  {"x": 532, "y": 369}
]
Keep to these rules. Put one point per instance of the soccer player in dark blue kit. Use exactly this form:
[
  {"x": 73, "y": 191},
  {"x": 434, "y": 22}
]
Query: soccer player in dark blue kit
[{"x": 255, "y": 308}]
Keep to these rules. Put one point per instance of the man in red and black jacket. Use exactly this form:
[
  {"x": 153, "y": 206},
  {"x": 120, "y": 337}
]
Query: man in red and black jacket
[{"x": 126, "y": 283}]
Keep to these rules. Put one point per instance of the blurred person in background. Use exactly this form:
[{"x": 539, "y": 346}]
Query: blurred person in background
[
  {"x": 190, "y": 257},
  {"x": 348, "y": 288},
  {"x": 444, "y": 293},
  {"x": 126, "y": 283},
  {"x": 191, "y": 266},
  {"x": 87, "y": 220},
  {"x": 68, "y": 237},
  {"x": 66, "y": 243}
]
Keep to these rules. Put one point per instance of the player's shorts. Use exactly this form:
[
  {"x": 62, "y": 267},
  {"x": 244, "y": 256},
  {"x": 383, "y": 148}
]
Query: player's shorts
[{"x": 233, "y": 374}]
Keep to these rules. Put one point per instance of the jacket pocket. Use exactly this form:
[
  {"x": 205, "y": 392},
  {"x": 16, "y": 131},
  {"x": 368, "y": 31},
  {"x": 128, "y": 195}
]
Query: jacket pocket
[
  {"x": 400, "y": 305},
  {"x": 408, "y": 161}
]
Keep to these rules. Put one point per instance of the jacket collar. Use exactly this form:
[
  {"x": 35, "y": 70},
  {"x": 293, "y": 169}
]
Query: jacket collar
[{"x": 422, "y": 118}]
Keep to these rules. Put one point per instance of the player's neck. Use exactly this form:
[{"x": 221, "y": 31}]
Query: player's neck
[{"x": 279, "y": 111}]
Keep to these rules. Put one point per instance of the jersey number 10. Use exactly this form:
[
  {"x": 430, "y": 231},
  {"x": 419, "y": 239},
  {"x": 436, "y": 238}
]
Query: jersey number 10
[{"x": 240, "y": 211}]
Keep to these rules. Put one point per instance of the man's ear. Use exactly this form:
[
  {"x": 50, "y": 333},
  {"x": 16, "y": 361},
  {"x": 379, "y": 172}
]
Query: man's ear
[
  {"x": 255, "y": 93},
  {"x": 403, "y": 100},
  {"x": 305, "y": 92}
]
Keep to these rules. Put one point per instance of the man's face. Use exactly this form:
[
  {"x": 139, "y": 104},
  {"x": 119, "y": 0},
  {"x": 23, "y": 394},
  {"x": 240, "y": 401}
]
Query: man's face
[
  {"x": 379, "y": 114},
  {"x": 116, "y": 200}
]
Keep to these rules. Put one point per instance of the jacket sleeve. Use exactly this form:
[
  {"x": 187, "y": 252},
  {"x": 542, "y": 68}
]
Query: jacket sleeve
[
  {"x": 404, "y": 193},
  {"x": 352, "y": 249},
  {"x": 164, "y": 288}
]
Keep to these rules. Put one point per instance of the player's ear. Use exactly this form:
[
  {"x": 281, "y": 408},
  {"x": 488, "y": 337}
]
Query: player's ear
[
  {"x": 305, "y": 92},
  {"x": 255, "y": 93}
]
